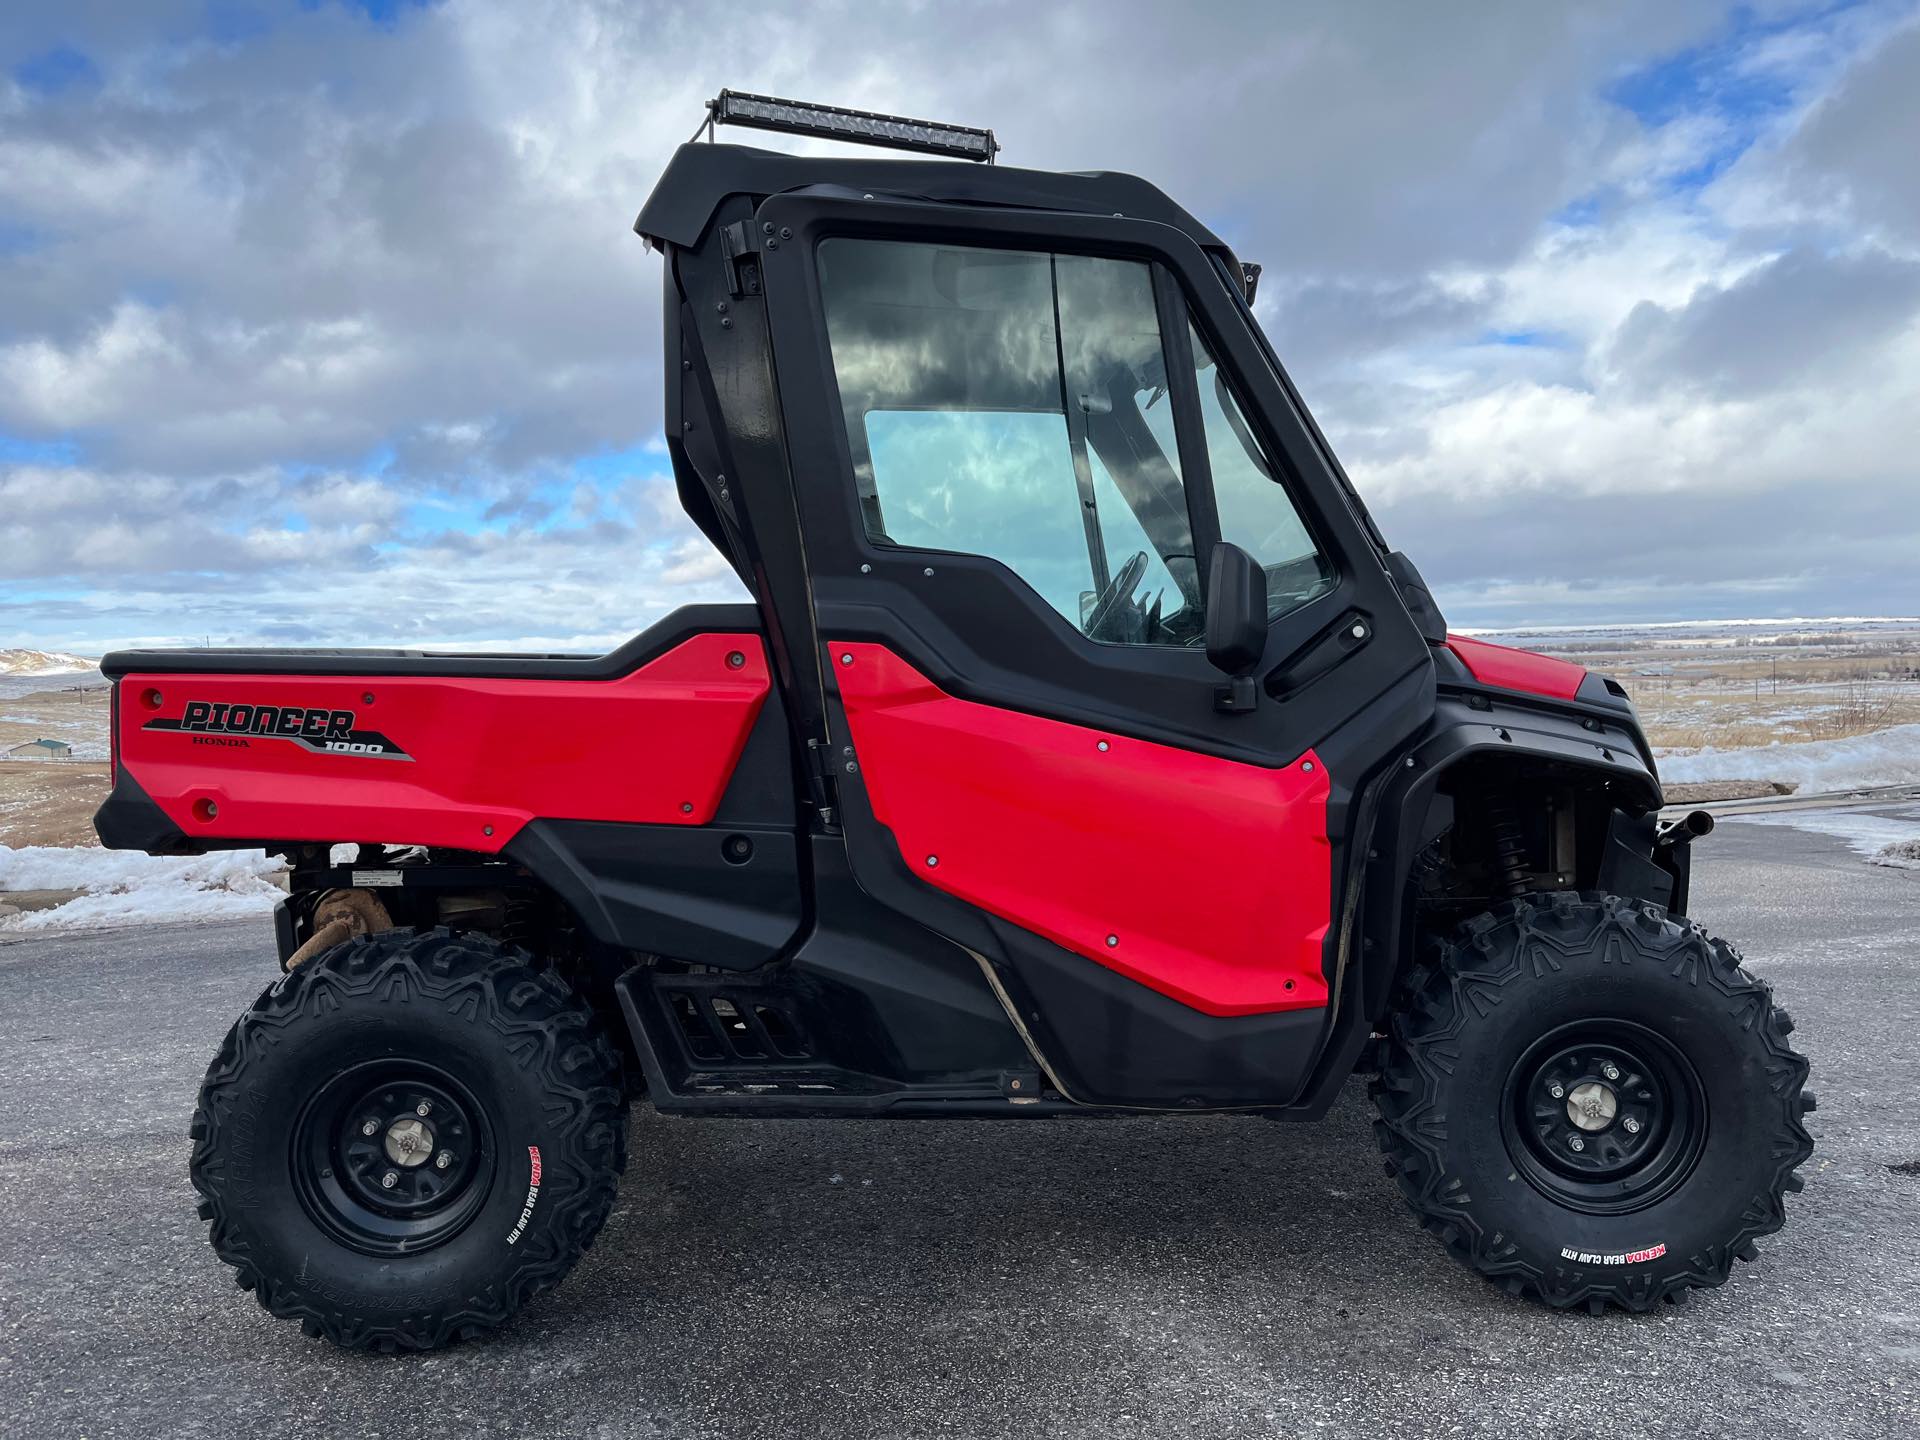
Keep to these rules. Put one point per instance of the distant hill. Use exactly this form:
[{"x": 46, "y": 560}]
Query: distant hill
[{"x": 41, "y": 662}]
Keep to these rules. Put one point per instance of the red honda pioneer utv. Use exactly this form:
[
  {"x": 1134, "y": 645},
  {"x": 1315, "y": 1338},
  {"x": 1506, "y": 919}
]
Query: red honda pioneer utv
[{"x": 1084, "y": 750}]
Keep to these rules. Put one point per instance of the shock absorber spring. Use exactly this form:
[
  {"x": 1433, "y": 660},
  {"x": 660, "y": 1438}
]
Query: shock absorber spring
[
  {"x": 1510, "y": 850},
  {"x": 519, "y": 925}
]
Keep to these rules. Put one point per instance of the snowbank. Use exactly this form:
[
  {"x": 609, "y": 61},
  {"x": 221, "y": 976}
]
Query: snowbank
[
  {"x": 127, "y": 888},
  {"x": 1886, "y": 757},
  {"x": 1901, "y": 854}
]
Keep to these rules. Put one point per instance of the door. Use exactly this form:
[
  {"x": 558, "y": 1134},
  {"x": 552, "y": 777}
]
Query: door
[{"x": 1015, "y": 439}]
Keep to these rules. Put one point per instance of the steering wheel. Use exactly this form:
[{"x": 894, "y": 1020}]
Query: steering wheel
[
  {"x": 1117, "y": 594},
  {"x": 1294, "y": 580}
]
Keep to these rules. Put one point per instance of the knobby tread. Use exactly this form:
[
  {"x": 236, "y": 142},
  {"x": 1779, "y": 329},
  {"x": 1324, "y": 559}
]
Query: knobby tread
[
  {"x": 1462, "y": 978},
  {"x": 542, "y": 1027}
]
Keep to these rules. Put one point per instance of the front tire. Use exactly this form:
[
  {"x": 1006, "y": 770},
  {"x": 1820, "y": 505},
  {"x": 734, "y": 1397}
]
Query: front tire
[
  {"x": 1592, "y": 1103},
  {"x": 406, "y": 1138}
]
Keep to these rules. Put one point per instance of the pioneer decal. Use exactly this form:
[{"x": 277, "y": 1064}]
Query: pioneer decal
[{"x": 325, "y": 732}]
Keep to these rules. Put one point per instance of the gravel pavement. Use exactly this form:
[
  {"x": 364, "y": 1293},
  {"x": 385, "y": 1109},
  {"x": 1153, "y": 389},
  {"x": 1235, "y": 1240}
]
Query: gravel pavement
[{"x": 1215, "y": 1277}]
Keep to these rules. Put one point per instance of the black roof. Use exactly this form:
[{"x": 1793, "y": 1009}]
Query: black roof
[{"x": 701, "y": 175}]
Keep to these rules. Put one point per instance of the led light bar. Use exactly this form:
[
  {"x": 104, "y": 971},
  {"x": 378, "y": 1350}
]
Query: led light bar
[{"x": 830, "y": 122}]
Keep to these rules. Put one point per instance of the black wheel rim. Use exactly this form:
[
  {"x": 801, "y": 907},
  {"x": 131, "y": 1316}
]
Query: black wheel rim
[
  {"x": 1604, "y": 1116},
  {"x": 392, "y": 1157}
]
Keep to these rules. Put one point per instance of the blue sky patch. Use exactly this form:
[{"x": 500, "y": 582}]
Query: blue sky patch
[
  {"x": 19, "y": 450},
  {"x": 1526, "y": 339},
  {"x": 1718, "y": 81},
  {"x": 16, "y": 239},
  {"x": 56, "y": 70},
  {"x": 382, "y": 12}
]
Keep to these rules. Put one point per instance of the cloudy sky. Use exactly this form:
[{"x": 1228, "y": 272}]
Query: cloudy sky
[{"x": 324, "y": 323}]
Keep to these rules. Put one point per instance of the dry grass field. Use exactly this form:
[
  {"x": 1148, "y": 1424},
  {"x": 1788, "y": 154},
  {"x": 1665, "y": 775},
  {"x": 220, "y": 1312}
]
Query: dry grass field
[
  {"x": 69, "y": 708},
  {"x": 1744, "y": 687},
  {"x": 51, "y": 802}
]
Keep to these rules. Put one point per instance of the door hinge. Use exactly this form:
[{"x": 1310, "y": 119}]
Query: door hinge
[
  {"x": 824, "y": 781},
  {"x": 743, "y": 260}
]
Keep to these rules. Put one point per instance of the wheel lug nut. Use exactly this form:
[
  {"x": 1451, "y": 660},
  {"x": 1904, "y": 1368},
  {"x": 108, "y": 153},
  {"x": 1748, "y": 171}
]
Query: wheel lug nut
[
  {"x": 1630, "y": 1125},
  {"x": 1576, "y": 1142},
  {"x": 1612, "y": 1072},
  {"x": 390, "y": 1179},
  {"x": 423, "y": 1107},
  {"x": 443, "y": 1160},
  {"x": 1557, "y": 1091},
  {"x": 370, "y": 1127}
]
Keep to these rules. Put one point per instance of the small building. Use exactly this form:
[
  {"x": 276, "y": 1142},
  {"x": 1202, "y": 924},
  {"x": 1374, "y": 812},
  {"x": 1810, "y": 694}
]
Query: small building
[{"x": 41, "y": 750}]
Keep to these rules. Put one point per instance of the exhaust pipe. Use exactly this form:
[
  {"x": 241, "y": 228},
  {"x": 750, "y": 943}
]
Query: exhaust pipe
[{"x": 1687, "y": 829}]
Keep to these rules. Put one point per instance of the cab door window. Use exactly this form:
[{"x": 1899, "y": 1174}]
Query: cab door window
[{"x": 996, "y": 402}]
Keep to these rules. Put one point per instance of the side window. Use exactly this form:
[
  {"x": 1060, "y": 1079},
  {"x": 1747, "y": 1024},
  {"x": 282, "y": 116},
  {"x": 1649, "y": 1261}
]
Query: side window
[
  {"x": 1255, "y": 511},
  {"x": 994, "y": 405}
]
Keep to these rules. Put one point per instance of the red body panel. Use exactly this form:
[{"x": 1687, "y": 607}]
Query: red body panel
[
  {"x": 484, "y": 756},
  {"x": 1212, "y": 878},
  {"x": 1512, "y": 669}
]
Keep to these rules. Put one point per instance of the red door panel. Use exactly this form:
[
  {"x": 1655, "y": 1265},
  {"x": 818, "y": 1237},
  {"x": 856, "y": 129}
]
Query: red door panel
[
  {"x": 1206, "y": 879},
  {"x": 464, "y": 762}
]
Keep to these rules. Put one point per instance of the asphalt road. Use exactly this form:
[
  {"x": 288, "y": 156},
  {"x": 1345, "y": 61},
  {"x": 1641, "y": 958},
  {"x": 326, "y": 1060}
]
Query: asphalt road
[{"x": 1208, "y": 1277}]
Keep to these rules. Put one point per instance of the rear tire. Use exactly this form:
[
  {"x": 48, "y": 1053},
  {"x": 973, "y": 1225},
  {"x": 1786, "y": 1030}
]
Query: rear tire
[
  {"x": 1591, "y": 1103},
  {"x": 406, "y": 1138}
]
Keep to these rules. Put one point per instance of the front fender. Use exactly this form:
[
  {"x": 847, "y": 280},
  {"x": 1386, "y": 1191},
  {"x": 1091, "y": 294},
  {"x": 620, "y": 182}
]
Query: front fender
[
  {"x": 1610, "y": 747},
  {"x": 1596, "y": 746}
]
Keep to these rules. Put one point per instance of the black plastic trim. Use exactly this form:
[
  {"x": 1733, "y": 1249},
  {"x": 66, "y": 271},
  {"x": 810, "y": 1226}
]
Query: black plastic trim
[
  {"x": 671, "y": 889},
  {"x": 683, "y": 624},
  {"x": 1115, "y": 1042},
  {"x": 1419, "y": 600},
  {"x": 885, "y": 1017},
  {"x": 128, "y": 819},
  {"x": 1627, "y": 863}
]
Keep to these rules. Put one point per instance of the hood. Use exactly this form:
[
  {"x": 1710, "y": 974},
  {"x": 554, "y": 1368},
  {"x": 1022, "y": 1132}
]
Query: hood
[{"x": 1509, "y": 669}]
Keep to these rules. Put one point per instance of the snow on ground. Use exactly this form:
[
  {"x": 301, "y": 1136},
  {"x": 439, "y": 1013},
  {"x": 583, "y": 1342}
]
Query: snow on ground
[
  {"x": 42, "y": 662},
  {"x": 13, "y": 686},
  {"x": 1884, "y": 839},
  {"x": 1886, "y": 757},
  {"x": 128, "y": 888}
]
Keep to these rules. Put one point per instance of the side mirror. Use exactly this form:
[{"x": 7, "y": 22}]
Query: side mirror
[{"x": 1236, "y": 624}]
